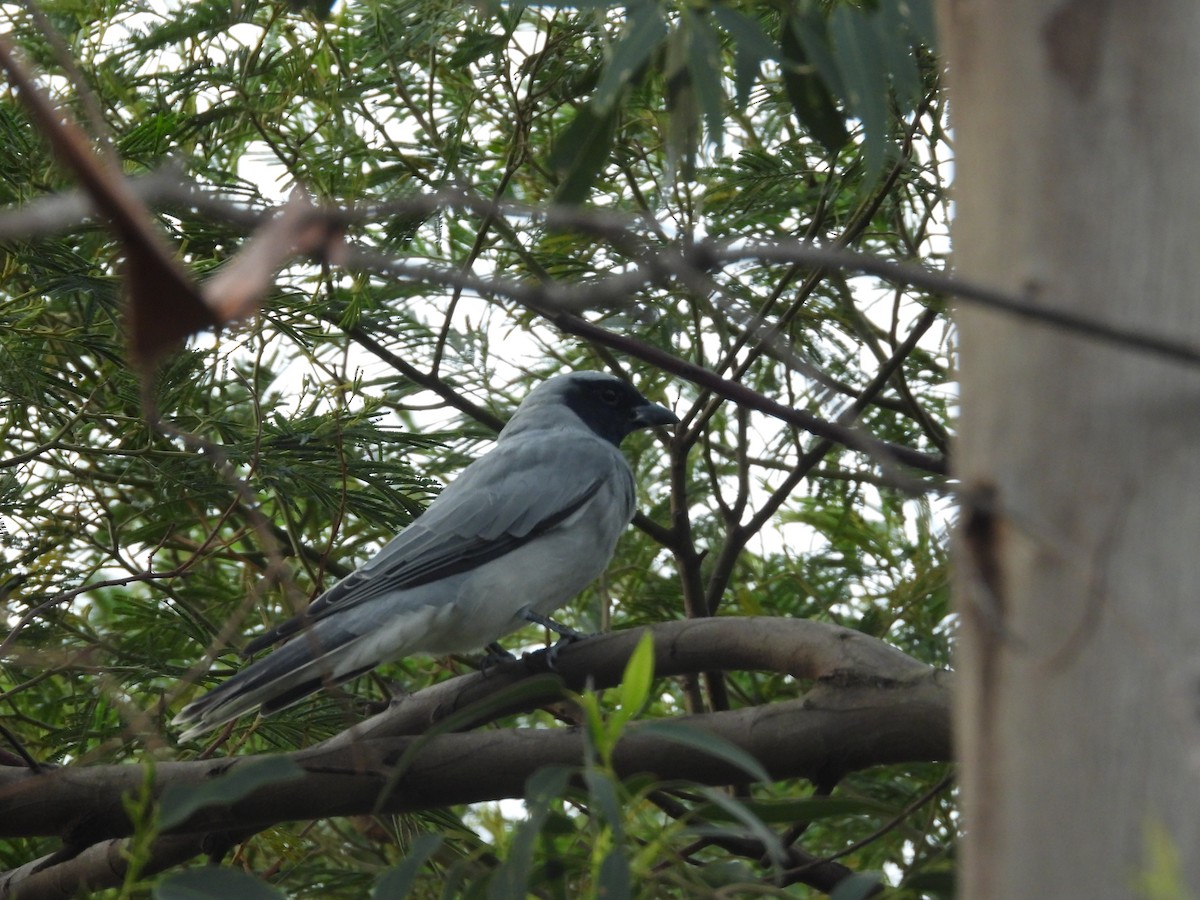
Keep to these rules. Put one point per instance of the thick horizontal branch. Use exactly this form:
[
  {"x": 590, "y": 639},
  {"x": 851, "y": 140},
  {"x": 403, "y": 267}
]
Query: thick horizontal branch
[
  {"x": 806, "y": 650},
  {"x": 828, "y": 733},
  {"x": 869, "y": 704},
  {"x": 820, "y": 737}
]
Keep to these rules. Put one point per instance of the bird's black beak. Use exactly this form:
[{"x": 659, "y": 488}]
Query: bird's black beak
[{"x": 650, "y": 414}]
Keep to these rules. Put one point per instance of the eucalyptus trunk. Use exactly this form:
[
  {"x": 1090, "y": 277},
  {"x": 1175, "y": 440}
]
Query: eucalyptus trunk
[{"x": 1076, "y": 129}]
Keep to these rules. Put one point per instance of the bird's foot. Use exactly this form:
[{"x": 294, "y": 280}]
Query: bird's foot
[
  {"x": 569, "y": 634},
  {"x": 549, "y": 656},
  {"x": 496, "y": 656},
  {"x": 553, "y": 650}
]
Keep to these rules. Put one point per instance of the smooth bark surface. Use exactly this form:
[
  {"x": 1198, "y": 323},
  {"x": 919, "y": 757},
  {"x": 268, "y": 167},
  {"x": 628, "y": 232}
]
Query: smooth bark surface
[{"x": 1075, "y": 129}]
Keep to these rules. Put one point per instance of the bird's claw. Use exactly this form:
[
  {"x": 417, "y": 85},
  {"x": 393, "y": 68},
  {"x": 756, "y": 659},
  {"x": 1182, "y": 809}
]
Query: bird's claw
[
  {"x": 553, "y": 650},
  {"x": 547, "y": 657},
  {"x": 496, "y": 656},
  {"x": 565, "y": 632}
]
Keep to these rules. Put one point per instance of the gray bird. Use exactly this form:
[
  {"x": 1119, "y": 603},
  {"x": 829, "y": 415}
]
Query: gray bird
[{"x": 519, "y": 533}]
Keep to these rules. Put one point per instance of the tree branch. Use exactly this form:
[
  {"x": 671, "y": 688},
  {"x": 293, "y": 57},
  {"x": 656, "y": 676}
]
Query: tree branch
[
  {"x": 870, "y": 705},
  {"x": 70, "y": 210}
]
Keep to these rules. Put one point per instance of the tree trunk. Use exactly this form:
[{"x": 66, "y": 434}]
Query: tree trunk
[{"x": 1077, "y": 126}]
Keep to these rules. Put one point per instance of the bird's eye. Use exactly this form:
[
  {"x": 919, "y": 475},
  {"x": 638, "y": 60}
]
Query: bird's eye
[{"x": 609, "y": 395}]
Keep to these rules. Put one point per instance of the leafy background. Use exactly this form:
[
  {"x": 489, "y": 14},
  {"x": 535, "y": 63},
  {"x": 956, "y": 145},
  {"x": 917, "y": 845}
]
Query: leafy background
[{"x": 343, "y": 406}]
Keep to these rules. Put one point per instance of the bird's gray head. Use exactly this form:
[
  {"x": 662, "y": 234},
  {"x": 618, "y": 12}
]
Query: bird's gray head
[{"x": 608, "y": 406}]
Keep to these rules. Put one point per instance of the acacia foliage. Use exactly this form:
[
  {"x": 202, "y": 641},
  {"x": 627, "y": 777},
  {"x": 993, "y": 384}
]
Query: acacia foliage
[{"x": 331, "y": 418}]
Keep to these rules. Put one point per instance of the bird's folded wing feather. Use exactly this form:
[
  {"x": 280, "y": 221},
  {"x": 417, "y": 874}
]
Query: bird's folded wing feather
[{"x": 520, "y": 490}]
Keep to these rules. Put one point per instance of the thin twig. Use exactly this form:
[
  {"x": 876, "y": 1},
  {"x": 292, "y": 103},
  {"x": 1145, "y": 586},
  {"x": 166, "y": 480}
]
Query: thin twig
[{"x": 64, "y": 597}]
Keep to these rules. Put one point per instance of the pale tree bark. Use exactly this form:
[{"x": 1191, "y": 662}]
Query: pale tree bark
[{"x": 1076, "y": 127}]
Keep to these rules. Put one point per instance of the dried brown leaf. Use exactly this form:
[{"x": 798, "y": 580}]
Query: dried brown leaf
[
  {"x": 240, "y": 286},
  {"x": 164, "y": 304}
]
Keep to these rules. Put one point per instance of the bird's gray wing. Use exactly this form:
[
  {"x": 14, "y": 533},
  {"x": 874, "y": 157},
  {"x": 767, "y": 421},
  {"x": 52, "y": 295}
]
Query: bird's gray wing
[{"x": 518, "y": 491}]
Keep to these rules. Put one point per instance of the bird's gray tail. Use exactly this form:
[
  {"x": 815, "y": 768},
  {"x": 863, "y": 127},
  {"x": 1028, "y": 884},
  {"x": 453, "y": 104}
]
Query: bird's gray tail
[{"x": 292, "y": 672}]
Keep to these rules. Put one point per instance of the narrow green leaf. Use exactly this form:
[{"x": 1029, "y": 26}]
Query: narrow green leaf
[
  {"x": 600, "y": 742},
  {"x": 603, "y": 794},
  {"x": 706, "y": 742},
  {"x": 919, "y": 14},
  {"x": 704, "y": 66},
  {"x": 751, "y": 46},
  {"x": 809, "y": 95},
  {"x": 546, "y": 785},
  {"x": 858, "y": 886},
  {"x": 541, "y": 789},
  {"x": 859, "y": 58},
  {"x": 474, "y": 46},
  {"x": 895, "y": 42},
  {"x": 746, "y": 67},
  {"x": 614, "y": 882},
  {"x": 644, "y": 31},
  {"x": 746, "y": 32},
  {"x": 581, "y": 152},
  {"x": 397, "y": 881},
  {"x": 812, "y": 34},
  {"x": 181, "y": 801},
  {"x": 768, "y": 838},
  {"x": 683, "y": 115},
  {"x": 935, "y": 882},
  {"x": 207, "y": 882},
  {"x": 636, "y": 681}
]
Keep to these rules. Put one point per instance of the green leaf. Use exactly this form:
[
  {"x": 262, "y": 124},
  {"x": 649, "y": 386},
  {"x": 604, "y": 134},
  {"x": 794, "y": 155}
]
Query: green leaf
[
  {"x": 599, "y": 742},
  {"x": 398, "y": 880},
  {"x": 858, "y": 886},
  {"x": 893, "y": 37},
  {"x": 475, "y": 45},
  {"x": 922, "y": 22},
  {"x": 603, "y": 794},
  {"x": 542, "y": 788},
  {"x": 1161, "y": 875},
  {"x": 809, "y": 95},
  {"x": 704, "y": 67},
  {"x": 614, "y": 882},
  {"x": 547, "y": 784},
  {"x": 859, "y": 59},
  {"x": 636, "y": 682},
  {"x": 581, "y": 152},
  {"x": 209, "y": 881},
  {"x": 643, "y": 32},
  {"x": 181, "y": 801},
  {"x": 682, "y": 112},
  {"x": 706, "y": 742},
  {"x": 936, "y": 882},
  {"x": 751, "y": 47},
  {"x": 811, "y": 32},
  {"x": 746, "y": 32},
  {"x": 152, "y": 136},
  {"x": 768, "y": 838}
]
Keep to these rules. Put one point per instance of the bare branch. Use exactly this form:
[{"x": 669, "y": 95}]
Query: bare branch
[{"x": 67, "y": 211}]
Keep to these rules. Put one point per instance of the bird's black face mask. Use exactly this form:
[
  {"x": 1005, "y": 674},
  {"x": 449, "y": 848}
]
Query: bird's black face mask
[{"x": 614, "y": 409}]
